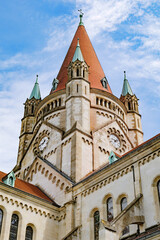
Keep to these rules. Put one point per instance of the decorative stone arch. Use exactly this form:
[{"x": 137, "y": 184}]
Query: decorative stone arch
[
  {"x": 33, "y": 228},
  {"x": 4, "y": 212},
  {"x": 118, "y": 201},
  {"x": 20, "y": 226},
  {"x": 91, "y": 220},
  {"x": 104, "y": 204},
  {"x": 156, "y": 197}
]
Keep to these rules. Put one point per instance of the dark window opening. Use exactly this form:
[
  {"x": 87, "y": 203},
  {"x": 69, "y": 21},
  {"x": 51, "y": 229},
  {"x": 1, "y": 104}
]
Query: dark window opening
[
  {"x": 110, "y": 209},
  {"x": 77, "y": 88},
  {"x": 84, "y": 73},
  {"x": 158, "y": 188},
  {"x": 109, "y": 105},
  {"x": 59, "y": 102},
  {"x": 101, "y": 102},
  {"x": 32, "y": 108},
  {"x": 11, "y": 181},
  {"x": 29, "y": 233},
  {"x": 14, "y": 227},
  {"x": 1, "y": 219},
  {"x": 77, "y": 72},
  {"x": 97, "y": 101},
  {"x": 129, "y": 106},
  {"x": 55, "y": 103},
  {"x": 96, "y": 225}
]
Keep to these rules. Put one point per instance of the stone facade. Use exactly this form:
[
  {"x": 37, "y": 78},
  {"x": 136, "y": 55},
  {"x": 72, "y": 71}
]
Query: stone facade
[{"x": 65, "y": 143}]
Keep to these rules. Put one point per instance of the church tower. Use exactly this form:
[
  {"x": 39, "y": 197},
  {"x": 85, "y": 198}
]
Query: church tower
[
  {"x": 133, "y": 117},
  {"x": 81, "y": 123},
  {"x": 28, "y": 121},
  {"x": 78, "y": 92}
]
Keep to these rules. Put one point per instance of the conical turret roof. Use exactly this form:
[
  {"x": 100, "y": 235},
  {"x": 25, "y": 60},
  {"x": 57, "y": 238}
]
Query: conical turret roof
[
  {"x": 126, "y": 87},
  {"x": 96, "y": 73},
  {"x": 36, "y": 91},
  {"x": 78, "y": 54}
]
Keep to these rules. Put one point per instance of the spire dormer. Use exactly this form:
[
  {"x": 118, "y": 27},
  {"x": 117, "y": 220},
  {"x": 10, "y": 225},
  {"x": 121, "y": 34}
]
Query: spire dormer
[{"x": 78, "y": 67}]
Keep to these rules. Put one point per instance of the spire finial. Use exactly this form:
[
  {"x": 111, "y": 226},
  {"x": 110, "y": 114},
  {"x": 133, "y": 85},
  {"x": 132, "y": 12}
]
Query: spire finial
[
  {"x": 81, "y": 16},
  {"x": 125, "y": 75},
  {"x": 37, "y": 78}
]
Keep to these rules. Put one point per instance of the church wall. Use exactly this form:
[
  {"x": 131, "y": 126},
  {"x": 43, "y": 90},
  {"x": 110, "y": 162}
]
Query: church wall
[
  {"x": 149, "y": 172},
  {"x": 66, "y": 156},
  {"x": 40, "y": 217},
  {"x": 57, "y": 118},
  {"x": 95, "y": 201},
  {"x": 50, "y": 182}
]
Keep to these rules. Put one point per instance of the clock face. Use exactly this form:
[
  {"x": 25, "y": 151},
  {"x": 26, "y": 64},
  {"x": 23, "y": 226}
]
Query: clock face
[
  {"x": 43, "y": 143},
  {"x": 115, "y": 141}
]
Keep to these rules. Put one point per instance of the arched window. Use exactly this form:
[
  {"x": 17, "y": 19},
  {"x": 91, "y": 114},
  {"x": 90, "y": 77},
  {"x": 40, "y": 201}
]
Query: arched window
[
  {"x": 158, "y": 188},
  {"x": 32, "y": 108},
  {"x": 129, "y": 106},
  {"x": 96, "y": 225},
  {"x": 123, "y": 203},
  {"x": 123, "y": 206},
  {"x": 14, "y": 227},
  {"x": 77, "y": 72},
  {"x": 109, "y": 209},
  {"x": 29, "y": 233},
  {"x": 84, "y": 73},
  {"x": 11, "y": 181},
  {"x": 1, "y": 219}
]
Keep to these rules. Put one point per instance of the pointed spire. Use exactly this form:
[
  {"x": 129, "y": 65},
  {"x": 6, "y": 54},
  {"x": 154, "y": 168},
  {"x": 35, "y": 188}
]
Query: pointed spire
[
  {"x": 126, "y": 87},
  {"x": 36, "y": 91},
  {"x": 81, "y": 16},
  {"x": 96, "y": 73},
  {"x": 78, "y": 54}
]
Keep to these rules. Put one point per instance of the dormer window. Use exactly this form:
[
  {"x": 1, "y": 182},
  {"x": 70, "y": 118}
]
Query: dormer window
[
  {"x": 55, "y": 84},
  {"x": 104, "y": 82},
  {"x": 9, "y": 179}
]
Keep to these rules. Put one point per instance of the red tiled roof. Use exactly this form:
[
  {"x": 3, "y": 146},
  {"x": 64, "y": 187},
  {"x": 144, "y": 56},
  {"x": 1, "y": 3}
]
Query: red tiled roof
[
  {"x": 95, "y": 70},
  {"x": 28, "y": 188}
]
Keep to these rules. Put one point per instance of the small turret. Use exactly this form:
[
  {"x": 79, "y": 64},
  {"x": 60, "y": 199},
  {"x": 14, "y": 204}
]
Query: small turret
[
  {"x": 78, "y": 67},
  {"x": 28, "y": 121},
  {"x": 127, "y": 97},
  {"x": 133, "y": 117}
]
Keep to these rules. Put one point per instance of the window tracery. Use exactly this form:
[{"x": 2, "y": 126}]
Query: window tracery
[
  {"x": 123, "y": 206},
  {"x": 14, "y": 227},
  {"x": 96, "y": 225},
  {"x": 29, "y": 233},
  {"x": 109, "y": 209}
]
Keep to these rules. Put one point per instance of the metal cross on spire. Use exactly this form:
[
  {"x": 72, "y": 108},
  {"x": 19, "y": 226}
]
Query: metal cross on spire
[{"x": 81, "y": 16}]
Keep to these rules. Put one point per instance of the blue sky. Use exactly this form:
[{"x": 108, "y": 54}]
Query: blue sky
[{"x": 35, "y": 36}]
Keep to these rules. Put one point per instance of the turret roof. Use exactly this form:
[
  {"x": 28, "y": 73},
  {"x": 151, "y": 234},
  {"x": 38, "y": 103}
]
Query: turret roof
[
  {"x": 126, "y": 87},
  {"x": 78, "y": 54},
  {"x": 36, "y": 91},
  {"x": 96, "y": 73}
]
